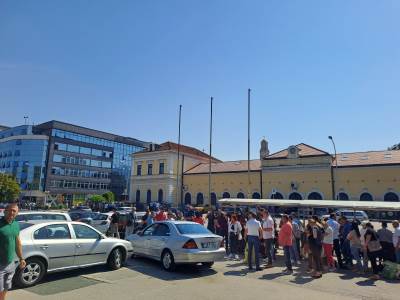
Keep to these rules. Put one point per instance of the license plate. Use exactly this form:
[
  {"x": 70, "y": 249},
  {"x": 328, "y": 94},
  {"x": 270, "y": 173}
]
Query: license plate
[{"x": 208, "y": 245}]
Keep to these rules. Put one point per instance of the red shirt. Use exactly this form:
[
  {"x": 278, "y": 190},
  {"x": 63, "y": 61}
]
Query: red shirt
[
  {"x": 161, "y": 216},
  {"x": 285, "y": 235},
  {"x": 198, "y": 220}
]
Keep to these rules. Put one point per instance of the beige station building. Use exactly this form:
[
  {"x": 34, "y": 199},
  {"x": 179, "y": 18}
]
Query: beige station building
[{"x": 297, "y": 172}]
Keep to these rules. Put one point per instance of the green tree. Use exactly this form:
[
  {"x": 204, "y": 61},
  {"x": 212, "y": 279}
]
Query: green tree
[
  {"x": 109, "y": 196},
  {"x": 9, "y": 188},
  {"x": 97, "y": 198}
]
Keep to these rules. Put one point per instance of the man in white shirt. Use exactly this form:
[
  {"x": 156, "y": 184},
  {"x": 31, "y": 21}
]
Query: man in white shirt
[
  {"x": 253, "y": 234},
  {"x": 268, "y": 235},
  {"x": 336, "y": 244},
  {"x": 396, "y": 240}
]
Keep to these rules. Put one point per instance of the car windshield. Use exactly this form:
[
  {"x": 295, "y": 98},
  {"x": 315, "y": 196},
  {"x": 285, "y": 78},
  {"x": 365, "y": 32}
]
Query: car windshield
[
  {"x": 192, "y": 229},
  {"x": 24, "y": 225},
  {"x": 100, "y": 217}
]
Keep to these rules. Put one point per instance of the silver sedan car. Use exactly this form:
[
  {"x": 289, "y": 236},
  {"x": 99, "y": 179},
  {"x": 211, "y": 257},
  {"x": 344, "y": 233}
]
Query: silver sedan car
[
  {"x": 59, "y": 246},
  {"x": 178, "y": 242}
]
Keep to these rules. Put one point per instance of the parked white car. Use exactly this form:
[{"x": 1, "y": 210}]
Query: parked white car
[
  {"x": 349, "y": 214},
  {"x": 102, "y": 221},
  {"x": 178, "y": 242},
  {"x": 60, "y": 246}
]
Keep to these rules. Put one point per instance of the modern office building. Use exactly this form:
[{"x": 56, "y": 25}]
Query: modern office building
[{"x": 67, "y": 162}]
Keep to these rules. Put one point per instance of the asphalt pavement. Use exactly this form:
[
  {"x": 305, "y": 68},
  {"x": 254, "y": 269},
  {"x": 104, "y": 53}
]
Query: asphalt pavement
[{"x": 144, "y": 279}]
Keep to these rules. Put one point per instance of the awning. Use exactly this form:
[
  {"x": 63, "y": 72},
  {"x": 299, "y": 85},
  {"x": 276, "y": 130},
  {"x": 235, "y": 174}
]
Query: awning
[{"x": 353, "y": 205}]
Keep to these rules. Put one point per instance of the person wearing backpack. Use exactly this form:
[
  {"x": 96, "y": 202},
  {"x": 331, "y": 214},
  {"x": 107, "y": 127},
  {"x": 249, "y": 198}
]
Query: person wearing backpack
[
  {"x": 315, "y": 242},
  {"x": 294, "y": 250},
  {"x": 374, "y": 249},
  {"x": 130, "y": 224}
]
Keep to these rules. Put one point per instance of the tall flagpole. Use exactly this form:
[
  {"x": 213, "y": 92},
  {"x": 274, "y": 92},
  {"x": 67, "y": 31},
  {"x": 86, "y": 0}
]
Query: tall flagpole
[
  {"x": 248, "y": 143},
  {"x": 177, "y": 164},
  {"x": 209, "y": 167}
]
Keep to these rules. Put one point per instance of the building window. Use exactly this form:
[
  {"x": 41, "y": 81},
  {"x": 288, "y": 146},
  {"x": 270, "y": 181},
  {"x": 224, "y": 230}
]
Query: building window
[
  {"x": 295, "y": 196},
  {"x": 137, "y": 196},
  {"x": 199, "y": 199},
  {"x": 240, "y": 195},
  {"x": 256, "y": 196},
  {"x": 139, "y": 170},
  {"x": 188, "y": 199},
  {"x": 366, "y": 197},
  {"x": 226, "y": 195},
  {"x": 391, "y": 197},
  {"x": 17, "y": 153},
  {"x": 314, "y": 196},
  {"x": 148, "y": 198},
  {"x": 150, "y": 169},
  {"x": 276, "y": 195},
  {"x": 161, "y": 170},
  {"x": 213, "y": 199},
  {"x": 160, "y": 196},
  {"x": 343, "y": 196}
]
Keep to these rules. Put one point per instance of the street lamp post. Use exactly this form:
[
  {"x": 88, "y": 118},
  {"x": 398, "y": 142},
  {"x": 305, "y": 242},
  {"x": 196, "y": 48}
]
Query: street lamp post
[{"x": 335, "y": 174}]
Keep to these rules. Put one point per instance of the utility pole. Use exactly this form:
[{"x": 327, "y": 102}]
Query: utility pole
[
  {"x": 177, "y": 164},
  {"x": 248, "y": 143},
  {"x": 209, "y": 168}
]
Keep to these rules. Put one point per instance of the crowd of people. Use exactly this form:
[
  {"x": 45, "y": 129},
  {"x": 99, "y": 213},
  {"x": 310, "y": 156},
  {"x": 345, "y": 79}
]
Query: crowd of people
[
  {"x": 355, "y": 245},
  {"x": 322, "y": 244}
]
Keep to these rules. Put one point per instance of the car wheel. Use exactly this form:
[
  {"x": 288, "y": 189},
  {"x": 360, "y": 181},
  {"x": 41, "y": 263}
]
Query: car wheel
[
  {"x": 115, "y": 259},
  {"x": 31, "y": 274},
  {"x": 167, "y": 261},
  {"x": 207, "y": 264}
]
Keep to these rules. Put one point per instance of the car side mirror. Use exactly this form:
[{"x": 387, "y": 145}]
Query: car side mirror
[{"x": 139, "y": 233}]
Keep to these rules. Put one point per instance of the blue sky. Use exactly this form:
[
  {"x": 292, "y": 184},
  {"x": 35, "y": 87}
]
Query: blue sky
[{"x": 316, "y": 68}]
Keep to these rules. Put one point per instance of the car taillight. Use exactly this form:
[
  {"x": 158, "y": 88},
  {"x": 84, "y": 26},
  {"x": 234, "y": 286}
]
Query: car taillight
[
  {"x": 190, "y": 244},
  {"x": 222, "y": 245}
]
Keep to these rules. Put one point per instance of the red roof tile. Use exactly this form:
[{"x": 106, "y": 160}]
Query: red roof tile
[
  {"x": 182, "y": 148},
  {"x": 304, "y": 150},
  {"x": 368, "y": 158}
]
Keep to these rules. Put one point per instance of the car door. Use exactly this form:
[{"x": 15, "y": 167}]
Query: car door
[
  {"x": 91, "y": 248},
  {"x": 56, "y": 243},
  {"x": 145, "y": 239},
  {"x": 159, "y": 240}
]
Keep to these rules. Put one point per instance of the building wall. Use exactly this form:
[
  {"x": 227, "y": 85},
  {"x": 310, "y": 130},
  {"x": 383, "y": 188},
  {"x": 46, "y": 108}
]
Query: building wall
[
  {"x": 377, "y": 180},
  {"x": 154, "y": 182},
  {"x": 305, "y": 180},
  {"x": 233, "y": 183}
]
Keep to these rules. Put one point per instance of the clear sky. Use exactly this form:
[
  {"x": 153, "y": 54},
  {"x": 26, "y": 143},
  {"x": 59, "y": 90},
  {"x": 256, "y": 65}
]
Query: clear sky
[{"x": 316, "y": 68}]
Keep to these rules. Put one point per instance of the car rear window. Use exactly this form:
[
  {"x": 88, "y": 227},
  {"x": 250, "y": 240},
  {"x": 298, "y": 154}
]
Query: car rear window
[
  {"x": 192, "y": 229},
  {"x": 24, "y": 225},
  {"x": 101, "y": 217}
]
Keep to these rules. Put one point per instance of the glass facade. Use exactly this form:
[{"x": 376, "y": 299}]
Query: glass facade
[
  {"x": 68, "y": 164},
  {"x": 119, "y": 160},
  {"x": 24, "y": 156}
]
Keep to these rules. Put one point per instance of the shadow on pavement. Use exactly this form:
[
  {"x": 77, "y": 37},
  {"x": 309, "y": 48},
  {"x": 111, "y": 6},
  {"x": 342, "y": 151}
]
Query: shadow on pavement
[{"x": 154, "y": 269}]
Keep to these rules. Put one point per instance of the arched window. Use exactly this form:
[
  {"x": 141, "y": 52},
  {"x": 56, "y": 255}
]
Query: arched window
[
  {"x": 343, "y": 196},
  {"x": 226, "y": 195},
  {"x": 148, "y": 198},
  {"x": 295, "y": 196},
  {"x": 256, "y": 195},
  {"x": 137, "y": 196},
  {"x": 391, "y": 197},
  {"x": 366, "y": 197},
  {"x": 315, "y": 196},
  {"x": 213, "y": 199},
  {"x": 199, "y": 199},
  {"x": 240, "y": 195},
  {"x": 188, "y": 199},
  {"x": 160, "y": 196},
  {"x": 277, "y": 195}
]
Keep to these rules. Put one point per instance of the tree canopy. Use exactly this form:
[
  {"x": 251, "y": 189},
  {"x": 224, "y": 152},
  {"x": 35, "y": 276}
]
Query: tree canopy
[{"x": 9, "y": 188}]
